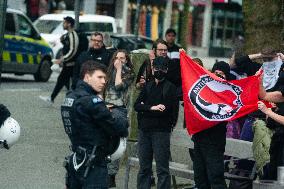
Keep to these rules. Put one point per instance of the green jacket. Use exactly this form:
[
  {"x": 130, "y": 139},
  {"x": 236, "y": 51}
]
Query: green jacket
[{"x": 261, "y": 144}]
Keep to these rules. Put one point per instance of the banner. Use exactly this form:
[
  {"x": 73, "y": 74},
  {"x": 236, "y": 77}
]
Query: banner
[{"x": 209, "y": 99}]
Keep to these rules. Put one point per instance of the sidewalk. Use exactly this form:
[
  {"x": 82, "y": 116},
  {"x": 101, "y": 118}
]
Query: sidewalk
[{"x": 181, "y": 183}]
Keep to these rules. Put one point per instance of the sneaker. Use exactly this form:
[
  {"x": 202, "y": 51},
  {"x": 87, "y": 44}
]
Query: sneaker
[{"x": 46, "y": 99}]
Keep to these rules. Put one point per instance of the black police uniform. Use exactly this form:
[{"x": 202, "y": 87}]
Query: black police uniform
[{"x": 89, "y": 124}]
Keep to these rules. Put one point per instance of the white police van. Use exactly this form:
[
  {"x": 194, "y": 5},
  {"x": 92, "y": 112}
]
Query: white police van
[
  {"x": 50, "y": 27},
  {"x": 25, "y": 51}
]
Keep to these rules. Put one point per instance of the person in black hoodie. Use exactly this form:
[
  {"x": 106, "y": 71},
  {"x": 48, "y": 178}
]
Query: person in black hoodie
[
  {"x": 209, "y": 147},
  {"x": 156, "y": 106},
  {"x": 96, "y": 52},
  {"x": 159, "y": 49}
]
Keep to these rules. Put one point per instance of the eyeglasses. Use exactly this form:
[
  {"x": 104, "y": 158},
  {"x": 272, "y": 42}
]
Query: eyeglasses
[
  {"x": 164, "y": 50},
  {"x": 95, "y": 40}
]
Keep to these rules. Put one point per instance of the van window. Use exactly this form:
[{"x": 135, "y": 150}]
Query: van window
[
  {"x": 95, "y": 26},
  {"x": 47, "y": 26},
  {"x": 24, "y": 27},
  {"x": 10, "y": 24}
]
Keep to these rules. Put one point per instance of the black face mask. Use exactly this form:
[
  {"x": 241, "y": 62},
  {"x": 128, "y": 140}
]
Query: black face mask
[
  {"x": 160, "y": 75},
  {"x": 220, "y": 76}
]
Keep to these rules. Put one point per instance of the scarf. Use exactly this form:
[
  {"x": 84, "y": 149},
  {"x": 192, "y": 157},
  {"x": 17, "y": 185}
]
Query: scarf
[{"x": 271, "y": 73}]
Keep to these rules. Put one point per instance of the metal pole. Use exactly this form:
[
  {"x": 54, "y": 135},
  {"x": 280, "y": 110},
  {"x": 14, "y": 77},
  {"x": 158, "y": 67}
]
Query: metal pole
[
  {"x": 90, "y": 6},
  {"x": 3, "y": 7},
  {"x": 136, "y": 28},
  {"x": 168, "y": 15},
  {"x": 77, "y": 13},
  {"x": 207, "y": 25}
]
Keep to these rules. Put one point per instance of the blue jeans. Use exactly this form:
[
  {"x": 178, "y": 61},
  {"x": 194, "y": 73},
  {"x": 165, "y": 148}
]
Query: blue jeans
[{"x": 155, "y": 144}]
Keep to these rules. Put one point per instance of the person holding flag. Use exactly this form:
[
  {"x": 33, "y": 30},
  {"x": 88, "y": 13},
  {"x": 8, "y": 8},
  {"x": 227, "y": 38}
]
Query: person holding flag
[
  {"x": 210, "y": 100},
  {"x": 209, "y": 147}
]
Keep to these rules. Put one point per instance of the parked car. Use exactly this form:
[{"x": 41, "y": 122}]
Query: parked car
[
  {"x": 25, "y": 51},
  {"x": 51, "y": 27},
  {"x": 130, "y": 42}
]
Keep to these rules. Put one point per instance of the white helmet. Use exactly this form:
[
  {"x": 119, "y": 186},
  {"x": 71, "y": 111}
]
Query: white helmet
[
  {"x": 118, "y": 153},
  {"x": 9, "y": 132}
]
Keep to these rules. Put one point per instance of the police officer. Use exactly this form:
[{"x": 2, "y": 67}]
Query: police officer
[{"x": 91, "y": 128}]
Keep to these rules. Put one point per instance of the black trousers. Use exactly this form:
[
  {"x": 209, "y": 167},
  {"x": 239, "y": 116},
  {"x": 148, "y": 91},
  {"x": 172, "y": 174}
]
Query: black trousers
[
  {"x": 157, "y": 145},
  {"x": 62, "y": 80},
  {"x": 97, "y": 177},
  {"x": 208, "y": 159}
]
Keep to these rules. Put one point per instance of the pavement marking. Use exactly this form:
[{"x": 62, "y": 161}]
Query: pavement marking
[{"x": 21, "y": 90}]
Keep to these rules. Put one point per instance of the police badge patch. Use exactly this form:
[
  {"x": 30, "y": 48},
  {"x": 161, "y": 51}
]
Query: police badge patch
[{"x": 97, "y": 100}]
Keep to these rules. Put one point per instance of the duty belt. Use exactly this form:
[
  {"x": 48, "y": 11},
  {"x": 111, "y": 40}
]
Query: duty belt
[
  {"x": 88, "y": 157},
  {"x": 80, "y": 150}
]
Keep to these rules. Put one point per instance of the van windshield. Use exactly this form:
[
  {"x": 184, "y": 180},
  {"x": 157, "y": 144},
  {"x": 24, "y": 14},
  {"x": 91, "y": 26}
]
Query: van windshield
[
  {"x": 95, "y": 26},
  {"x": 47, "y": 26}
]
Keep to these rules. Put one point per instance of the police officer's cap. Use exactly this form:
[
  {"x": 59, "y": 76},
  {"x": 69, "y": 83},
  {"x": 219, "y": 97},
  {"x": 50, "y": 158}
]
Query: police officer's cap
[{"x": 160, "y": 63}]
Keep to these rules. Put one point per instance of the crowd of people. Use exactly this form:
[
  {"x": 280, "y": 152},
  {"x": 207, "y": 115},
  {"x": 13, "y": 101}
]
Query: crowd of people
[{"x": 95, "y": 111}]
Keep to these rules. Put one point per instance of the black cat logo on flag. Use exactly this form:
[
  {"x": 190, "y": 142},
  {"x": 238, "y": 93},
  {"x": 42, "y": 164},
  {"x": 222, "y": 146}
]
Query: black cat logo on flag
[
  {"x": 209, "y": 99},
  {"x": 214, "y": 111}
]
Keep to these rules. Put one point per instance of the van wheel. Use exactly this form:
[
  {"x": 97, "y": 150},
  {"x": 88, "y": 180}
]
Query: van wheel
[{"x": 43, "y": 73}]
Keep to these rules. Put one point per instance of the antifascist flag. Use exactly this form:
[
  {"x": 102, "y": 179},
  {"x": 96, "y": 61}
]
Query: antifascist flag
[{"x": 209, "y": 99}]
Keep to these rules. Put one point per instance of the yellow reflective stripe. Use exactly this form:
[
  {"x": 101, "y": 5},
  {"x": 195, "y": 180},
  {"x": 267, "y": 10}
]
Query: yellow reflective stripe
[
  {"x": 27, "y": 39},
  {"x": 30, "y": 59},
  {"x": 38, "y": 58},
  {"x": 19, "y": 58},
  {"x": 6, "y": 56}
]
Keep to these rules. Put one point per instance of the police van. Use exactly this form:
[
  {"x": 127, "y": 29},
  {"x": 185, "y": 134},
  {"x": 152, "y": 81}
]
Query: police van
[
  {"x": 50, "y": 27},
  {"x": 25, "y": 51}
]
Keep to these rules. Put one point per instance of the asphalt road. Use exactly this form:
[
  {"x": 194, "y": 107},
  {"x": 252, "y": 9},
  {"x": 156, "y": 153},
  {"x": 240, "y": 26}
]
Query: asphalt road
[{"x": 35, "y": 162}]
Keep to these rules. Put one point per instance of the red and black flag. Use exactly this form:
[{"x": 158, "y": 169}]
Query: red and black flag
[{"x": 209, "y": 99}]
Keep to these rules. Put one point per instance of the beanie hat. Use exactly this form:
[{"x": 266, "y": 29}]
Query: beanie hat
[{"x": 222, "y": 66}]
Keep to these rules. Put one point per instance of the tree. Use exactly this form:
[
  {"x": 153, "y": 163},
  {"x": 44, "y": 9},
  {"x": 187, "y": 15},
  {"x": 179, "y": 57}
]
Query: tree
[{"x": 263, "y": 24}]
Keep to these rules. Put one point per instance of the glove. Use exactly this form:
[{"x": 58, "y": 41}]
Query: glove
[{"x": 4, "y": 114}]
